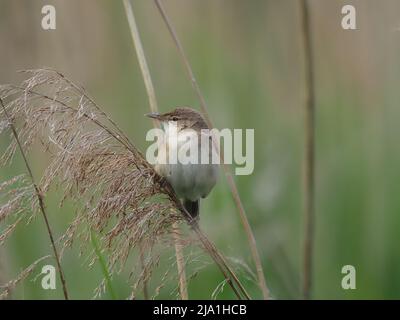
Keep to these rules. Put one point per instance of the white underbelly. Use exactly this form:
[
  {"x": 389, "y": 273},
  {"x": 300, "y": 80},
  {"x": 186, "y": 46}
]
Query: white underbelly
[{"x": 190, "y": 181}]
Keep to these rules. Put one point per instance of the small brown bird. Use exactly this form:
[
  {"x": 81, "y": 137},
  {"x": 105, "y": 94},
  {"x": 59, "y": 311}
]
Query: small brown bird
[{"x": 191, "y": 181}]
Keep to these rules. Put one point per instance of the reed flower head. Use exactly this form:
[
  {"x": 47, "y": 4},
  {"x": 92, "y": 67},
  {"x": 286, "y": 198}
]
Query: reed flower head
[{"x": 115, "y": 191}]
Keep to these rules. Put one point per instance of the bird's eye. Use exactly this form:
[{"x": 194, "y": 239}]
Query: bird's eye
[{"x": 174, "y": 118}]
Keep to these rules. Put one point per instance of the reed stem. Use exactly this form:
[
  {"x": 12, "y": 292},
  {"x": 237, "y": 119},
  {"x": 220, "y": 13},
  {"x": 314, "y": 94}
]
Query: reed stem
[
  {"x": 180, "y": 261},
  {"x": 309, "y": 148}
]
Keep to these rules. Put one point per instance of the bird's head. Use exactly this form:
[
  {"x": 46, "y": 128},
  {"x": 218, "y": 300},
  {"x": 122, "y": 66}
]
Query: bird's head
[{"x": 182, "y": 117}]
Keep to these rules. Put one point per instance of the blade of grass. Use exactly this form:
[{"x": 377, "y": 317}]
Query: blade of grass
[
  {"x": 232, "y": 185},
  {"x": 103, "y": 266}
]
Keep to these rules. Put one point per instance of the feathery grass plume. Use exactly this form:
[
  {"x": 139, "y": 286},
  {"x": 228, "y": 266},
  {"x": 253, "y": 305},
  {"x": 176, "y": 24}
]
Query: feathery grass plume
[
  {"x": 17, "y": 203},
  {"x": 93, "y": 164},
  {"x": 115, "y": 191},
  {"x": 11, "y": 285}
]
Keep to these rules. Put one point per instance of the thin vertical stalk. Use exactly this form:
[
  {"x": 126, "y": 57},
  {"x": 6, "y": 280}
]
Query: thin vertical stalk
[
  {"x": 232, "y": 185},
  {"x": 180, "y": 261},
  {"x": 309, "y": 156},
  {"x": 40, "y": 200},
  {"x": 154, "y": 108},
  {"x": 141, "y": 59}
]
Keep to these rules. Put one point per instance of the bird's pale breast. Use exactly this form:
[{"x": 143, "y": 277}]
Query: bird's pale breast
[{"x": 190, "y": 180}]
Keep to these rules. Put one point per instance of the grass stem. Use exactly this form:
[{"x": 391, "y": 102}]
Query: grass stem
[
  {"x": 309, "y": 148},
  {"x": 180, "y": 261}
]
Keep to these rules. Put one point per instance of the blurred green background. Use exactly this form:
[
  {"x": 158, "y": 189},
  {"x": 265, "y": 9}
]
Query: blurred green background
[{"x": 248, "y": 59}]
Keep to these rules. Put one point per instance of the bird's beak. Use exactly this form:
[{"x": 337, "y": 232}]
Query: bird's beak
[{"x": 153, "y": 115}]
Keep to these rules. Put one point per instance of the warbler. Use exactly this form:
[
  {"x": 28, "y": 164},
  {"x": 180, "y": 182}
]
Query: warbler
[{"x": 185, "y": 129}]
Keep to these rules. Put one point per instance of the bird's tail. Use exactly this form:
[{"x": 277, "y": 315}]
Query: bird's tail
[{"x": 192, "y": 207}]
